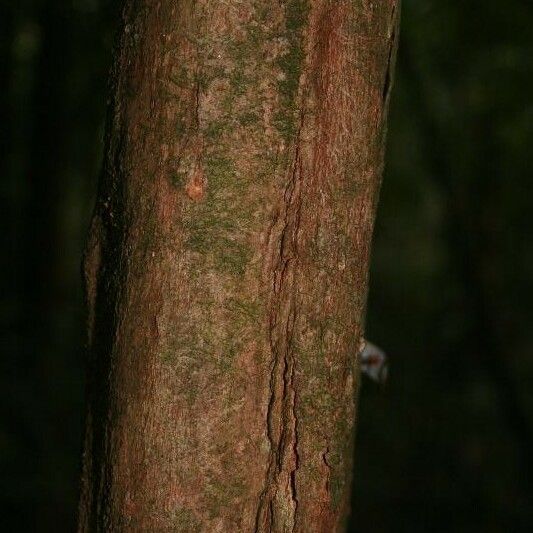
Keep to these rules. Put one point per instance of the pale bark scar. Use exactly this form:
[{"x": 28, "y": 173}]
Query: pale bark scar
[{"x": 195, "y": 187}]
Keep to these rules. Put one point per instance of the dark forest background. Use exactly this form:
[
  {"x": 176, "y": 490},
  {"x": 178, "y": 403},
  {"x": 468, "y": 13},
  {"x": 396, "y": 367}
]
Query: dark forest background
[{"x": 447, "y": 444}]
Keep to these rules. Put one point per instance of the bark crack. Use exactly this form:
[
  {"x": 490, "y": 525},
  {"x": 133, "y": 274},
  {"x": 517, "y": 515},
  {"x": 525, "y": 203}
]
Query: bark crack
[
  {"x": 389, "y": 69},
  {"x": 328, "y": 468},
  {"x": 274, "y": 511}
]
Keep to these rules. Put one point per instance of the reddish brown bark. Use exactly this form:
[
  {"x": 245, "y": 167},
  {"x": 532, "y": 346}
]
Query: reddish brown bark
[{"x": 227, "y": 264}]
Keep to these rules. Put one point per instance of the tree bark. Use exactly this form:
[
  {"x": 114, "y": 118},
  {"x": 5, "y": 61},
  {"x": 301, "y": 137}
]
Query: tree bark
[{"x": 226, "y": 269}]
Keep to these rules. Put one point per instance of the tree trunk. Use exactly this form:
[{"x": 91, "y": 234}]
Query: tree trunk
[{"x": 227, "y": 263}]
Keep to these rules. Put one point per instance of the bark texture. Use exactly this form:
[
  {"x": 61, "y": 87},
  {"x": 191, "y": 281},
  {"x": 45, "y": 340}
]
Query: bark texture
[{"x": 226, "y": 268}]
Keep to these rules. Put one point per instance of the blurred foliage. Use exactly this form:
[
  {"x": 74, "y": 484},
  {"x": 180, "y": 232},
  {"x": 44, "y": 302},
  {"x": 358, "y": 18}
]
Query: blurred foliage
[
  {"x": 446, "y": 444},
  {"x": 54, "y": 59}
]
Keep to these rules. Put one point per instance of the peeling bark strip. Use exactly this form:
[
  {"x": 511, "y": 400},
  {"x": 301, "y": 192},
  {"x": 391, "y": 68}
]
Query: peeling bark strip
[{"x": 226, "y": 269}]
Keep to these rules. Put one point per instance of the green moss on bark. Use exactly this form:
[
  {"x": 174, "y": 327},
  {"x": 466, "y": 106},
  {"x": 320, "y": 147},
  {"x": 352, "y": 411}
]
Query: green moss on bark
[{"x": 290, "y": 64}]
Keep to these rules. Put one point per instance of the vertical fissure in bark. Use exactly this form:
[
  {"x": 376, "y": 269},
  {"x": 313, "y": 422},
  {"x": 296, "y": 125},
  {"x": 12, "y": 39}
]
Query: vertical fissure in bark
[
  {"x": 391, "y": 56},
  {"x": 282, "y": 422},
  {"x": 328, "y": 469}
]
